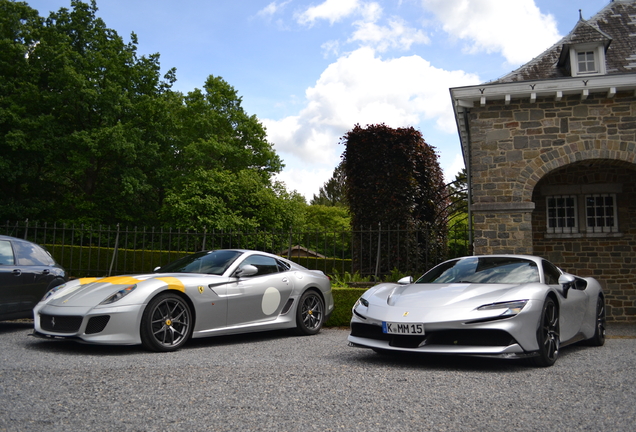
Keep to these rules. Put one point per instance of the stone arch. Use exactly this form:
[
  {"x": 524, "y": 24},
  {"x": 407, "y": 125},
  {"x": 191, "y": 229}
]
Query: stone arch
[{"x": 569, "y": 154}]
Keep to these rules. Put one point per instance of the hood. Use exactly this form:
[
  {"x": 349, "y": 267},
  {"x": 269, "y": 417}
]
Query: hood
[{"x": 443, "y": 295}]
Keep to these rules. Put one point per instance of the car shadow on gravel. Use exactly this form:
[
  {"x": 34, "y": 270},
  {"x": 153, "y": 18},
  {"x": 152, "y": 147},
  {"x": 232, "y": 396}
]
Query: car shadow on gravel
[
  {"x": 441, "y": 362},
  {"x": 244, "y": 338},
  {"x": 67, "y": 346}
]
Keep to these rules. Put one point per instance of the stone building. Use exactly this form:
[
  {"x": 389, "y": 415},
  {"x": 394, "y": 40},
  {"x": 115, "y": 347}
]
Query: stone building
[{"x": 550, "y": 152}]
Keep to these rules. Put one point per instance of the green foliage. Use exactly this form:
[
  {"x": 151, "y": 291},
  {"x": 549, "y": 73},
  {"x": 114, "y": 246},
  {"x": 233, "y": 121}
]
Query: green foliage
[
  {"x": 91, "y": 133},
  {"x": 344, "y": 280},
  {"x": 97, "y": 261},
  {"x": 395, "y": 276},
  {"x": 224, "y": 200},
  {"x": 344, "y": 299},
  {"x": 333, "y": 192}
]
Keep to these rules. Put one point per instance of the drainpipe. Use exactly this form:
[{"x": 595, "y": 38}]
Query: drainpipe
[{"x": 469, "y": 183}]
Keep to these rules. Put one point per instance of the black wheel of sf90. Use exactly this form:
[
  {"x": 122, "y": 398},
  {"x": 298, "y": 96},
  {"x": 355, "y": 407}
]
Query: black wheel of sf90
[
  {"x": 166, "y": 323},
  {"x": 548, "y": 335},
  {"x": 310, "y": 313},
  {"x": 599, "y": 333}
]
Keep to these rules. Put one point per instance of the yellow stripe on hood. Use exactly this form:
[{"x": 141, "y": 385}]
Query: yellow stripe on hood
[
  {"x": 172, "y": 282},
  {"x": 120, "y": 280},
  {"x": 86, "y": 281}
]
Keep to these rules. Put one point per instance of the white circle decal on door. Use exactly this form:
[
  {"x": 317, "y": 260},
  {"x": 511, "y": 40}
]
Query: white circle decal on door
[{"x": 271, "y": 300}]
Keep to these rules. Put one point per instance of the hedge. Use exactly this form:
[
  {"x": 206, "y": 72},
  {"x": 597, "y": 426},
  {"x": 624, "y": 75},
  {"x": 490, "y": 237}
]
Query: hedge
[
  {"x": 94, "y": 261},
  {"x": 344, "y": 299}
]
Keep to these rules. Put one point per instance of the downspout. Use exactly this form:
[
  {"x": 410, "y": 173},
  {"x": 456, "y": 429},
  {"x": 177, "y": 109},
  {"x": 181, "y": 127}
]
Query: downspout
[{"x": 469, "y": 183}]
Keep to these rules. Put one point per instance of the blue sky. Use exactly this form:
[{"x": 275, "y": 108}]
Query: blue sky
[{"x": 311, "y": 70}]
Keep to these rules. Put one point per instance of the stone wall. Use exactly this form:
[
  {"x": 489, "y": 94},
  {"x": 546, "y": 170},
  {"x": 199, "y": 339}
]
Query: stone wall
[{"x": 517, "y": 146}]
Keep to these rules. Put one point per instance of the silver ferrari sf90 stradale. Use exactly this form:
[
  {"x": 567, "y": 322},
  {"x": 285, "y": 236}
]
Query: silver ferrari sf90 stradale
[
  {"x": 509, "y": 306},
  {"x": 208, "y": 293}
]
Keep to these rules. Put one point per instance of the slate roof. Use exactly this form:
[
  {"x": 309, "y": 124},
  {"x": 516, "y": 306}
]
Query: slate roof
[{"x": 614, "y": 25}]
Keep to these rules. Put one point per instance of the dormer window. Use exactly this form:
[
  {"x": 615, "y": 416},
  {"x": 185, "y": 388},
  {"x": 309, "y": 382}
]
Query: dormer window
[
  {"x": 586, "y": 62},
  {"x": 588, "y": 59}
]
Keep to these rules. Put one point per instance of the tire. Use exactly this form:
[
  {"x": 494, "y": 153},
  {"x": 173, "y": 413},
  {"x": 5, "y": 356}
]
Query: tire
[
  {"x": 310, "y": 313},
  {"x": 166, "y": 323},
  {"x": 548, "y": 335},
  {"x": 599, "y": 333}
]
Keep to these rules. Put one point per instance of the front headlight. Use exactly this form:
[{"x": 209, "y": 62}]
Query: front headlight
[
  {"x": 508, "y": 308},
  {"x": 52, "y": 291},
  {"x": 361, "y": 301},
  {"x": 119, "y": 295}
]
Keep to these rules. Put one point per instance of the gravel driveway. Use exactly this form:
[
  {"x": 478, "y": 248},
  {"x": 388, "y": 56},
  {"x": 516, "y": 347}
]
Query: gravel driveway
[{"x": 277, "y": 382}]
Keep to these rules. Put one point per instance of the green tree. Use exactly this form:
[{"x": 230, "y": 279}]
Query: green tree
[
  {"x": 75, "y": 131},
  {"x": 232, "y": 201},
  {"x": 458, "y": 216},
  {"x": 90, "y": 132},
  {"x": 223, "y": 168},
  {"x": 333, "y": 192}
]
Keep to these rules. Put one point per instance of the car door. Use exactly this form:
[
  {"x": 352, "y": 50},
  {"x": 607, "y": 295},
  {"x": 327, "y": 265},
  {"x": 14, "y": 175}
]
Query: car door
[
  {"x": 36, "y": 266},
  {"x": 572, "y": 303},
  {"x": 11, "y": 279},
  {"x": 261, "y": 297}
]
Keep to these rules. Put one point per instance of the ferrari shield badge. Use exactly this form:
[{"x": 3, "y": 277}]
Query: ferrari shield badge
[
  {"x": 405, "y": 313},
  {"x": 201, "y": 289}
]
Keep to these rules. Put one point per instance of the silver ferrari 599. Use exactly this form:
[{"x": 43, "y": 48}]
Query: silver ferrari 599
[
  {"x": 509, "y": 306},
  {"x": 208, "y": 293}
]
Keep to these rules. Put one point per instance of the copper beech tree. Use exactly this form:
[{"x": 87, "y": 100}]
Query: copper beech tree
[{"x": 394, "y": 185}]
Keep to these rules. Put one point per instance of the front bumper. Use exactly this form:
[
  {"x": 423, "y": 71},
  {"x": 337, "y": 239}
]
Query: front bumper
[
  {"x": 109, "y": 325},
  {"x": 449, "y": 332}
]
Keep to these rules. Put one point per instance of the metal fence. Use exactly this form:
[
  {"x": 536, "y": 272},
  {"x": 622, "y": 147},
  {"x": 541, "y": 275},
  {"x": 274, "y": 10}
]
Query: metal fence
[{"x": 111, "y": 250}]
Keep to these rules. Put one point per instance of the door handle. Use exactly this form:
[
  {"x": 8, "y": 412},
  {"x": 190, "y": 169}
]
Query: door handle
[
  {"x": 17, "y": 272},
  {"x": 285, "y": 280}
]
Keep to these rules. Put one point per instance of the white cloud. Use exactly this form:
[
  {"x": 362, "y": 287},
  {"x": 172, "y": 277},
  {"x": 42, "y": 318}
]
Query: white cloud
[
  {"x": 397, "y": 35},
  {"x": 272, "y": 8},
  {"x": 306, "y": 181},
  {"x": 330, "y": 10},
  {"x": 516, "y": 29},
  {"x": 362, "y": 88}
]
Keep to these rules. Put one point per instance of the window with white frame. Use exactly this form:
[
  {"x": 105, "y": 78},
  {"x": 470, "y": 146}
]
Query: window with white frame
[
  {"x": 562, "y": 214},
  {"x": 587, "y": 59},
  {"x": 600, "y": 213},
  {"x": 586, "y": 62}
]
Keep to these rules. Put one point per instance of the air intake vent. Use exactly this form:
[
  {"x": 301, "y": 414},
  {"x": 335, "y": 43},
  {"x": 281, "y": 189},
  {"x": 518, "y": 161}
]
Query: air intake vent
[{"x": 97, "y": 324}]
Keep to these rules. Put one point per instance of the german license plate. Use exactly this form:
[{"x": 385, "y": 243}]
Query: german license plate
[{"x": 403, "y": 328}]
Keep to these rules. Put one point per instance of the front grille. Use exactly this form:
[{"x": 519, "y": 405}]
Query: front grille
[
  {"x": 60, "y": 323},
  {"x": 464, "y": 337},
  {"x": 96, "y": 324},
  {"x": 368, "y": 331}
]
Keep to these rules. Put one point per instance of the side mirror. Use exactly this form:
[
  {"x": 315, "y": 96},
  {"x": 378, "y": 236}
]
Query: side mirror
[
  {"x": 246, "y": 270},
  {"x": 406, "y": 280},
  {"x": 566, "y": 281}
]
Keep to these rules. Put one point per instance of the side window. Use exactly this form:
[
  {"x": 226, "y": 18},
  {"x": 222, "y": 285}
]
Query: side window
[
  {"x": 265, "y": 265},
  {"x": 550, "y": 273},
  {"x": 31, "y": 254},
  {"x": 6, "y": 253},
  {"x": 282, "y": 266}
]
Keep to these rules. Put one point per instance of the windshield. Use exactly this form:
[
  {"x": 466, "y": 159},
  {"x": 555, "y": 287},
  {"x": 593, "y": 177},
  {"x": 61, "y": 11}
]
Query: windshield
[
  {"x": 504, "y": 270},
  {"x": 209, "y": 262}
]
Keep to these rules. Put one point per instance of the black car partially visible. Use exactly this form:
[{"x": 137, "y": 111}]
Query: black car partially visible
[{"x": 27, "y": 272}]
